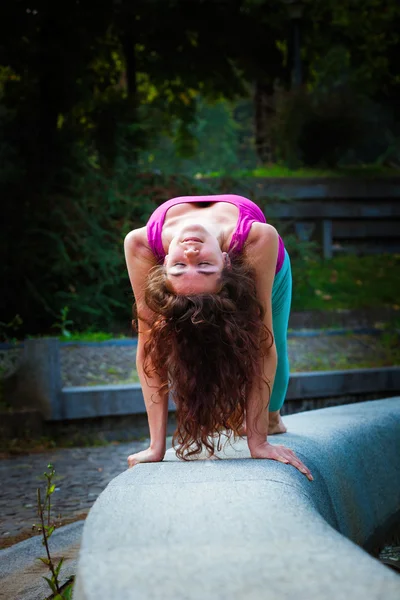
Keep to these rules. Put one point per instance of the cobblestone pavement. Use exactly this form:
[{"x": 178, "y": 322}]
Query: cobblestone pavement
[{"x": 81, "y": 475}]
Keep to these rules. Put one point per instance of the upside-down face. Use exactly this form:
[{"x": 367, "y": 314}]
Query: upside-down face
[{"x": 195, "y": 261}]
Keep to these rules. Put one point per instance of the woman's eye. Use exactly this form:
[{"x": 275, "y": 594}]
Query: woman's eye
[
  {"x": 179, "y": 265},
  {"x": 204, "y": 263}
]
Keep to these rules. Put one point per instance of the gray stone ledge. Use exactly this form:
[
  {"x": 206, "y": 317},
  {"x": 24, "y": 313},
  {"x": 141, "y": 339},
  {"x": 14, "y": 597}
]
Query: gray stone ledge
[
  {"x": 107, "y": 400},
  {"x": 252, "y": 529},
  {"x": 336, "y": 383},
  {"x": 21, "y": 573},
  {"x": 102, "y": 401}
]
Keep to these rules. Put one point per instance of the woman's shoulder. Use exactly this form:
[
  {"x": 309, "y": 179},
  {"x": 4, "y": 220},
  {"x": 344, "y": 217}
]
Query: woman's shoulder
[
  {"x": 262, "y": 253},
  {"x": 137, "y": 244},
  {"x": 262, "y": 235}
]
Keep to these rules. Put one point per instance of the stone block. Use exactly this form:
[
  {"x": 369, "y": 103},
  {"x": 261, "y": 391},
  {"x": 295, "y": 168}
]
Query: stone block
[{"x": 36, "y": 384}]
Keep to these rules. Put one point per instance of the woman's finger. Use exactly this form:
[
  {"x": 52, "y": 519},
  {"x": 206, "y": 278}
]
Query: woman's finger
[
  {"x": 287, "y": 456},
  {"x": 291, "y": 452},
  {"x": 294, "y": 460},
  {"x": 297, "y": 463},
  {"x": 290, "y": 457},
  {"x": 301, "y": 467},
  {"x": 287, "y": 451},
  {"x": 305, "y": 471}
]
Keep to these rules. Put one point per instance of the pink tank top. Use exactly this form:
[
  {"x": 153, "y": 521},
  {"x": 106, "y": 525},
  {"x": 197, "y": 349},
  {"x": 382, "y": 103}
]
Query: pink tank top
[{"x": 249, "y": 213}]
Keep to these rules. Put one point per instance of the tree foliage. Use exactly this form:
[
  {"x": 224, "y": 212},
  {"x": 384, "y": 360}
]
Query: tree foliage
[
  {"x": 87, "y": 75},
  {"x": 85, "y": 85}
]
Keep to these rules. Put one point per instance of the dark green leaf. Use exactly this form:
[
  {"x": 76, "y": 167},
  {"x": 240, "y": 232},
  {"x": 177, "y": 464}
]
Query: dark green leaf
[
  {"x": 51, "y": 584},
  {"x": 58, "y": 567}
]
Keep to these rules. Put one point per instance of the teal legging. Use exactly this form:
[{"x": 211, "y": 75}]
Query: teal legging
[{"x": 281, "y": 301}]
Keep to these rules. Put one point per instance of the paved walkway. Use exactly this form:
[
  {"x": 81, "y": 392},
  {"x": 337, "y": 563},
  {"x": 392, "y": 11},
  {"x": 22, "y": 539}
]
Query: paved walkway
[{"x": 81, "y": 475}]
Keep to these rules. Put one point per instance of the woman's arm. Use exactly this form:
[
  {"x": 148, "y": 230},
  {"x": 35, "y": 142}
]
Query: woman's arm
[
  {"x": 139, "y": 261},
  {"x": 262, "y": 254}
]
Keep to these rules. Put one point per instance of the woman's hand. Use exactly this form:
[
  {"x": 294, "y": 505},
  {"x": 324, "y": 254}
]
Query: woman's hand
[
  {"x": 145, "y": 456},
  {"x": 281, "y": 454}
]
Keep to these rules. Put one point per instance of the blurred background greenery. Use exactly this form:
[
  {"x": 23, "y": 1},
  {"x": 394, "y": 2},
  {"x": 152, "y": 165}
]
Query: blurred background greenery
[{"x": 108, "y": 109}]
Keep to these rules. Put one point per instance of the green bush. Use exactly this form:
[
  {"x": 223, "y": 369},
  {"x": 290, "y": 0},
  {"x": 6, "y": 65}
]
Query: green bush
[
  {"x": 65, "y": 249},
  {"x": 220, "y": 139}
]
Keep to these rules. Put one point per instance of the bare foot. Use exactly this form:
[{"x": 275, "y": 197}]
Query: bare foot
[
  {"x": 243, "y": 431},
  {"x": 276, "y": 425}
]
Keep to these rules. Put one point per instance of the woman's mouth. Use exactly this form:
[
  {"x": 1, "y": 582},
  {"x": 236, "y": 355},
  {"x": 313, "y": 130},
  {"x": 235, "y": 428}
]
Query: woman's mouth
[{"x": 192, "y": 239}]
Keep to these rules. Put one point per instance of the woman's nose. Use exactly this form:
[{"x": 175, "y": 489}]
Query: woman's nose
[{"x": 191, "y": 252}]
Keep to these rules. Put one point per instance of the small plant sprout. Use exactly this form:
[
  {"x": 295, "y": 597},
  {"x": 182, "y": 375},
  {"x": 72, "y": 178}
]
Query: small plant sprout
[
  {"x": 46, "y": 528},
  {"x": 63, "y": 323}
]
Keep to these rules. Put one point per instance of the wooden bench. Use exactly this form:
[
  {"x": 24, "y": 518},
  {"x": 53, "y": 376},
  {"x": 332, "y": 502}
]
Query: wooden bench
[
  {"x": 358, "y": 216},
  {"x": 356, "y": 227}
]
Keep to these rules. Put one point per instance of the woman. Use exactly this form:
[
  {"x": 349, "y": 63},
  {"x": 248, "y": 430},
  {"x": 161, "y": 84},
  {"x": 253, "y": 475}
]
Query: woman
[{"x": 212, "y": 285}]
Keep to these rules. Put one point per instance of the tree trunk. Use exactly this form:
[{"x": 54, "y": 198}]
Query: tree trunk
[
  {"x": 264, "y": 112},
  {"x": 128, "y": 40},
  {"x": 51, "y": 87}
]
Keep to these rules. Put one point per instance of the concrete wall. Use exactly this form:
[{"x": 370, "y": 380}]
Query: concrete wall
[{"x": 252, "y": 529}]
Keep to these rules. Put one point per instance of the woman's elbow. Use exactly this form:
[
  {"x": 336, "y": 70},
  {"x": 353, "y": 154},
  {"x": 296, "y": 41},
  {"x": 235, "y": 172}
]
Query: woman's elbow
[{"x": 272, "y": 353}]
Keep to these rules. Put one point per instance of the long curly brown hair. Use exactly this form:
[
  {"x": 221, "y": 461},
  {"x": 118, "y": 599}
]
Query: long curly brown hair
[{"x": 210, "y": 345}]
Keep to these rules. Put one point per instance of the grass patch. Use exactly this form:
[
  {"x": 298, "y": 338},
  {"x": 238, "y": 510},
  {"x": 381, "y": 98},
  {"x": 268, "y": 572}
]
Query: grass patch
[
  {"x": 89, "y": 336},
  {"x": 285, "y": 172},
  {"x": 347, "y": 282},
  {"x": 80, "y": 336},
  {"x": 24, "y": 445}
]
